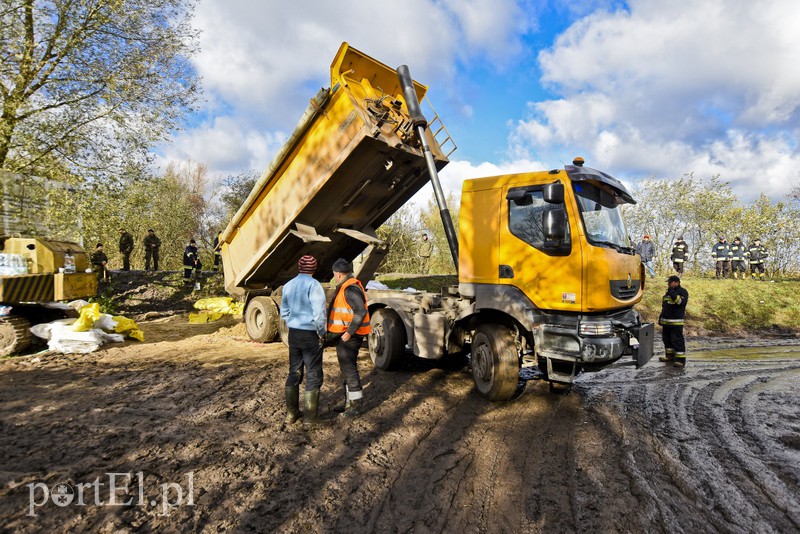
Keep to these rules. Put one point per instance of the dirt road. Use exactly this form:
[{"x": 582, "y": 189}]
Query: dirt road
[{"x": 196, "y": 413}]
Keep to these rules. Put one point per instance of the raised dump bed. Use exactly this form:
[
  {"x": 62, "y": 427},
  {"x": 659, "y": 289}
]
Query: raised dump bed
[{"x": 352, "y": 161}]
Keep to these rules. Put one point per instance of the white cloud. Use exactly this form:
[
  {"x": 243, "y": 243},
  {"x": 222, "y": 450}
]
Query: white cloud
[
  {"x": 225, "y": 146},
  {"x": 261, "y": 61},
  {"x": 671, "y": 87}
]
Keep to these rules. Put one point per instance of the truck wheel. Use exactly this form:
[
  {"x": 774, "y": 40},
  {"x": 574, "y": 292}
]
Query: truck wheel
[
  {"x": 387, "y": 341},
  {"x": 15, "y": 335},
  {"x": 495, "y": 363},
  {"x": 261, "y": 318}
]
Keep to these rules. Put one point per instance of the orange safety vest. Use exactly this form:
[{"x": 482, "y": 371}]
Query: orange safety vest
[{"x": 342, "y": 314}]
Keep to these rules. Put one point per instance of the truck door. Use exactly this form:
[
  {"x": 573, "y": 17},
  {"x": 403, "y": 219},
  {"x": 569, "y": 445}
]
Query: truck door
[{"x": 546, "y": 268}]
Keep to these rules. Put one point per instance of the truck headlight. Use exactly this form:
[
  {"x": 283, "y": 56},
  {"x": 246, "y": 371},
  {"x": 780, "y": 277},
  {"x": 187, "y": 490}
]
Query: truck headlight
[{"x": 602, "y": 328}]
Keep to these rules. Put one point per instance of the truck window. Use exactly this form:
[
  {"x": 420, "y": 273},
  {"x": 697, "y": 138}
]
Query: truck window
[
  {"x": 601, "y": 216},
  {"x": 525, "y": 218}
]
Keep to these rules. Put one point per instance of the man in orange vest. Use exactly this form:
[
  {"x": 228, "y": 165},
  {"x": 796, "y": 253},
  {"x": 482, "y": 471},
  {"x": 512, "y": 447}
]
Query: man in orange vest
[{"x": 348, "y": 322}]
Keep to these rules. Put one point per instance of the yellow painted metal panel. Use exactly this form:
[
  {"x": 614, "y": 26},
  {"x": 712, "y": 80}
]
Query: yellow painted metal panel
[
  {"x": 26, "y": 288},
  {"x": 46, "y": 256},
  {"x": 70, "y": 286},
  {"x": 479, "y": 236}
]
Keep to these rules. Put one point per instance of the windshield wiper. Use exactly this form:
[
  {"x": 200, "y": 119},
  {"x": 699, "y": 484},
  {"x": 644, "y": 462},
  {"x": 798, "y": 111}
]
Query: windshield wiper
[{"x": 618, "y": 248}]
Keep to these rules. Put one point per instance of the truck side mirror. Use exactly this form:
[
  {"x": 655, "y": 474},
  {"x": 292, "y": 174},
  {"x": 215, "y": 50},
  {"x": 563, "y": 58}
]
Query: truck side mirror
[
  {"x": 554, "y": 193},
  {"x": 555, "y": 225}
]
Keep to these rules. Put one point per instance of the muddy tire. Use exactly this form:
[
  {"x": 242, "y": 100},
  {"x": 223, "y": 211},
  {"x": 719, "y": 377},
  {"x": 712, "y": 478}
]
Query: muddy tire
[
  {"x": 387, "y": 339},
  {"x": 15, "y": 335},
  {"x": 261, "y": 318},
  {"x": 495, "y": 363}
]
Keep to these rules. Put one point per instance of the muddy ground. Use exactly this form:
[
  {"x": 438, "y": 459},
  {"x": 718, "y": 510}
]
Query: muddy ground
[{"x": 197, "y": 410}]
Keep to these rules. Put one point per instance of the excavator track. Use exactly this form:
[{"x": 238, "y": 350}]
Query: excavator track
[{"x": 15, "y": 335}]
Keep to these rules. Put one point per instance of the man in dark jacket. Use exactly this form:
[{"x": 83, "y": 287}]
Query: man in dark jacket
[
  {"x": 680, "y": 252},
  {"x": 152, "y": 244},
  {"x": 348, "y": 323},
  {"x": 191, "y": 261},
  {"x": 721, "y": 253},
  {"x": 125, "y": 247},
  {"x": 673, "y": 314},
  {"x": 99, "y": 262},
  {"x": 738, "y": 258},
  {"x": 647, "y": 251},
  {"x": 757, "y": 254},
  {"x": 217, "y": 251}
]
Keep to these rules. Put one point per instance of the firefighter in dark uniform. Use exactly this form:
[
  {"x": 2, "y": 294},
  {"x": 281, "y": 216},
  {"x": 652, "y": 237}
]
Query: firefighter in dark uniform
[
  {"x": 152, "y": 244},
  {"x": 125, "y": 247},
  {"x": 99, "y": 262},
  {"x": 738, "y": 258},
  {"x": 348, "y": 323},
  {"x": 756, "y": 254},
  {"x": 721, "y": 253},
  {"x": 673, "y": 313},
  {"x": 191, "y": 261},
  {"x": 680, "y": 251},
  {"x": 217, "y": 251}
]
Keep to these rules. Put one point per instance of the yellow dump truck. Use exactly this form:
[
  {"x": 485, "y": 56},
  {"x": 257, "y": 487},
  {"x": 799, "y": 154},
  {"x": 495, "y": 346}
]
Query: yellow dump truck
[
  {"x": 547, "y": 278},
  {"x": 34, "y": 274}
]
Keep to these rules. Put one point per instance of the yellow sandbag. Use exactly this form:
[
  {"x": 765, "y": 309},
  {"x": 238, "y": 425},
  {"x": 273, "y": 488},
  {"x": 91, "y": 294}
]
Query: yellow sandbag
[
  {"x": 220, "y": 305},
  {"x": 88, "y": 315},
  {"x": 205, "y": 316},
  {"x": 128, "y": 327}
]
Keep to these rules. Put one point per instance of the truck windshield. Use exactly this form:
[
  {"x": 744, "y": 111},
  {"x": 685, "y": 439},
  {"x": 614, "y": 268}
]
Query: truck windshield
[{"x": 601, "y": 216}]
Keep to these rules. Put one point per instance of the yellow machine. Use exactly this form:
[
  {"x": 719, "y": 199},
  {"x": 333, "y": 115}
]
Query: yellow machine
[
  {"x": 547, "y": 277},
  {"x": 30, "y": 278}
]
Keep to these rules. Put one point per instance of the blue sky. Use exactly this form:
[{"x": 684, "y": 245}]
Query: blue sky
[{"x": 640, "y": 89}]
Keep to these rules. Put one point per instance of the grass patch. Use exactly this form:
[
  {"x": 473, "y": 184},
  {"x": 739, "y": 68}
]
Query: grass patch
[{"x": 732, "y": 306}]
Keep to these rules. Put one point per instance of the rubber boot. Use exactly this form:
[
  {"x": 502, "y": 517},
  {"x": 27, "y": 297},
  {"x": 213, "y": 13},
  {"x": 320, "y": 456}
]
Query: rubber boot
[
  {"x": 679, "y": 362},
  {"x": 341, "y": 408},
  {"x": 311, "y": 409},
  {"x": 668, "y": 358},
  {"x": 292, "y": 404},
  {"x": 355, "y": 404}
]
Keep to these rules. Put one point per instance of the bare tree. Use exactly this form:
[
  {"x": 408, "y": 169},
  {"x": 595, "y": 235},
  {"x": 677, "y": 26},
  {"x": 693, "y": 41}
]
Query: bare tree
[{"x": 87, "y": 87}]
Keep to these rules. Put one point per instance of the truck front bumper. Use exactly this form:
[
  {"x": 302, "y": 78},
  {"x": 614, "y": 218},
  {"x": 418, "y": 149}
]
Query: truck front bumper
[{"x": 590, "y": 343}]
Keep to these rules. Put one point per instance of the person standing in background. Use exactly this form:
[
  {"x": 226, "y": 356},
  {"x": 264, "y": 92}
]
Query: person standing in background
[
  {"x": 191, "y": 261},
  {"x": 217, "y": 251},
  {"x": 125, "y": 247},
  {"x": 738, "y": 258},
  {"x": 424, "y": 252},
  {"x": 680, "y": 251},
  {"x": 647, "y": 251},
  {"x": 152, "y": 244}
]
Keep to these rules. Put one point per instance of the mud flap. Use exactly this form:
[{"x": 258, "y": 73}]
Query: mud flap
[{"x": 645, "y": 335}]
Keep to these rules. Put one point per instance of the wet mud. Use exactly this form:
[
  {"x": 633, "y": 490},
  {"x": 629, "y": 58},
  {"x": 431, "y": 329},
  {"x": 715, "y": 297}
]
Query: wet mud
[{"x": 198, "y": 410}]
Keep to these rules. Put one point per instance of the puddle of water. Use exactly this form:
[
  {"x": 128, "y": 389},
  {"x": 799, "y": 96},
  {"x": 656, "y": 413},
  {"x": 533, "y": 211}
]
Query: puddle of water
[{"x": 749, "y": 353}]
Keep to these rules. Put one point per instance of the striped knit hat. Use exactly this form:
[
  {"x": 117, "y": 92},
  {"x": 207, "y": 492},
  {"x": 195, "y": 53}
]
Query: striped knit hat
[{"x": 307, "y": 264}]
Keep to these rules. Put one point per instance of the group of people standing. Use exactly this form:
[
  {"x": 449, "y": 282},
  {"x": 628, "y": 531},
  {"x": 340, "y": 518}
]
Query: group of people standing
[
  {"x": 152, "y": 248},
  {"x": 728, "y": 258},
  {"x": 735, "y": 257},
  {"x": 312, "y": 327}
]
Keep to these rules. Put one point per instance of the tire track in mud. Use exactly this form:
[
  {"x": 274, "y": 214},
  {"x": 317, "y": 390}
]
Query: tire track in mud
[{"x": 702, "y": 454}]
